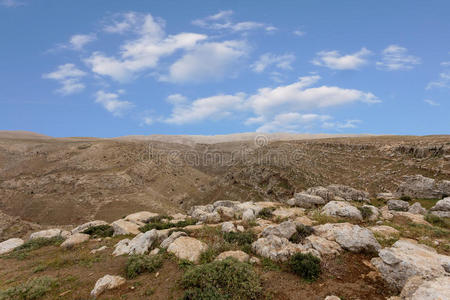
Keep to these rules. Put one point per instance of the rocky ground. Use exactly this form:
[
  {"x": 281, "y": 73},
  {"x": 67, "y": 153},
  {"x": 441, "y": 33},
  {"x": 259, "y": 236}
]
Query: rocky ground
[{"x": 344, "y": 218}]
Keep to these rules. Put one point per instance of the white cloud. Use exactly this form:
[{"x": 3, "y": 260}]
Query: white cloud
[
  {"x": 207, "y": 61},
  {"x": 69, "y": 77},
  {"x": 431, "y": 102},
  {"x": 291, "y": 122},
  {"x": 280, "y": 61},
  {"x": 176, "y": 99},
  {"x": 334, "y": 60},
  {"x": 442, "y": 82},
  {"x": 78, "y": 41},
  {"x": 396, "y": 58},
  {"x": 223, "y": 21},
  {"x": 112, "y": 103},
  {"x": 214, "y": 107},
  {"x": 299, "y": 32},
  {"x": 445, "y": 63},
  {"x": 10, "y": 3},
  {"x": 339, "y": 125}
]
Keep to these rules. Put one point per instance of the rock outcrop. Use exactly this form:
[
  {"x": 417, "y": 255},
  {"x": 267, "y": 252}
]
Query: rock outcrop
[
  {"x": 81, "y": 228},
  {"x": 238, "y": 255},
  {"x": 276, "y": 248},
  {"x": 306, "y": 200},
  {"x": 9, "y": 245},
  {"x": 187, "y": 248},
  {"x": 341, "y": 209},
  {"x": 75, "y": 239},
  {"x": 398, "y": 205},
  {"x": 50, "y": 233},
  {"x": 107, "y": 282},
  {"x": 123, "y": 227},
  {"x": 140, "y": 244},
  {"x": 418, "y": 186},
  {"x": 417, "y": 288},
  {"x": 442, "y": 208}
]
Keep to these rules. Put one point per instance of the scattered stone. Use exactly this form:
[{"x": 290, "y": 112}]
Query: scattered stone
[
  {"x": 417, "y": 288},
  {"x": 254, "y": 260},
  {"x": 166, "y": 243},
  {"x": 306, "y": 200},
  {"x": 350, "y": 237},
  {"x": 107, "y": 282},
  {"x": 284, "y": 230},
  {"x": 348, "y": 193},
  {"x": 398, "y": 205},
  {"x": 138, "y": 245},
  {"x": 140, "y": 217},
  {"x": 50, "y": 233},
  {"x": 154, "y": 252},
  {"x": 239, "y": 255},
  {"x": 102, "y": 248},
  {"x": 9, "y": 245},
  {"x": 225, "y": 203},
  {"x": 290, "y": 212},
  {"x": 442, "y": 208},
  {"x": 187, "y": 248},
  {"x": 123, "y": 227},
  {"x": 75, "y": 239},
  {"x": 228, "y": 227},
  {"x": 384, "y": 231},
  {"x": 417, "y": 209},
  {"x": 322, "y": 245},
  {"x": 385, "y": 213},
  {"x": 407, "y": 258},
  {"x": 276, "y": 248},
  {"x": 341, "y": 209},
  {"x": 85, "y": 226},
  {"x": 240, "y": 228},
  {"x": 248, "y": 215}
]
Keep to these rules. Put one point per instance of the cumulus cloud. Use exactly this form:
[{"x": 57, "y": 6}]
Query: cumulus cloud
[
  {"x": 142, "y": 53},
  {"x": 291, "y": 122},
  {"x": 69, "y": 76},
  {"x": 207, "y": 61},
  {"x": 266, "y": 60},
  {"x": 223, "y": 21},
  {"x": 334, "y": 60},
  {"x": 78, "y": 41},
  {"x": 396, "y": 58},
  {"x": 112, "y": 103}
]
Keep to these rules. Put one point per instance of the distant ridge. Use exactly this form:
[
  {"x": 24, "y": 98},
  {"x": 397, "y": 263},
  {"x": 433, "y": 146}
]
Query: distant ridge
[{"x": 21, "y": 134}]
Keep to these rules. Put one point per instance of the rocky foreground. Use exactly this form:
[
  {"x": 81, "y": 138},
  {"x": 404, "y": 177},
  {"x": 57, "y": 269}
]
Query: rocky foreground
[{"x": 399, "y": 248}]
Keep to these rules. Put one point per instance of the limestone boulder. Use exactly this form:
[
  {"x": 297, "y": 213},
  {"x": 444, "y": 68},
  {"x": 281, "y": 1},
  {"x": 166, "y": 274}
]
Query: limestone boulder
[
  {"x": 248, "y": 215},
  {"x": 187, "y": 248},
  {"x": 284, "y": 230},
  {"x": 107, "y": 282},
  {"x": 166, "y": 243},
  {"x": 50, "y": 233},
  {"x": 9, "y": 245},
  {"x": 417, "y": 209},
  {"x": 348, "y": 193},
  {"x": 417, "y": 288},
  {"x": 140, "y": 244},
  {"x": 322, "y": 245},
  {"x": 86, "y": 226},
  {"x": 418, "y": 186},
  {"x": 322, "y": 192},
  {"x": 124, "y": 227},
  {"x": 75, "y": 239},
  {"x": 288, "y": 212},
  {"x": 398, "y": 205},
  {"x": 140, "y": 217},
  {"x": 275, "y": 248},
  {"x": 442, "y": 208},
  {"x": 306, "y": 200},
  {"x": 239, "y": 255},
  {"x": 341, "y": 209},
  {"x": 228, "y": 227}
]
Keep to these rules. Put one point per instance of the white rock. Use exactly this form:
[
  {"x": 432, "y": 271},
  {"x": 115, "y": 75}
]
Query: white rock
[
  {"x": 226, "y": 213},
  {"x": 254, "y": 260},
  {"x": 407, "y": 258},
  {"x": 288, "y": 212},
  {"x": 107, "y": 282},
  {"x": 332, "y": 298},
  {"x": 248, "y": 215},
  {"x": 348, "y": 193},
  {"x": 9, "y": 245},
  {"x": 322, "y": 245},
  {"x": 303, "y": 221},
  {"x": 154, "y": 252},
  {"x": 384, "y": 231},
  {"x": 375, "y": 212},
  {"x": 385, "y": 213},
  {"x": 85, "y": 226},
  {"x": 284, "y": 230},
  {"x": 138, "y": 245},
  {"x": 75, "y": 239},
  {"x": 122, "y": 247},
  {"x": 418, "y": 219},
  {"x": 341, "y": 209},
  {"x": 228, "y": 227},
  {"x": 398, "y": 205},
  {"x": 385, "y": 196},
  {"x": 123, "y": 227},
  {"x": 187, "y": 248},
  {"x": 239, "y": 255},
  {"x": 276, "y": 248},
  {"x": 306, "y": 200},
  {"x": 442, "y": 205},
  {"x": 140, "y": 217},
  {"x": 102, "y": 248},
  {"x": 416, "y": 288},
  {"x": 416, "y": 208},
  {"x": 240, "y": 228},
  {"x": 50, "y": 233},
  {"x": 166, "y": 243}
]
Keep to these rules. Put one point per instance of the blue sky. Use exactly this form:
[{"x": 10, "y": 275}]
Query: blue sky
[{"x": 112, "y": 68}]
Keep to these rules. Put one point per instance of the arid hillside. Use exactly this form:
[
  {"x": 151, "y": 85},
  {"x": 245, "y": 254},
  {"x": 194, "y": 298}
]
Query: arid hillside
[{"x": 59, "y": 181}]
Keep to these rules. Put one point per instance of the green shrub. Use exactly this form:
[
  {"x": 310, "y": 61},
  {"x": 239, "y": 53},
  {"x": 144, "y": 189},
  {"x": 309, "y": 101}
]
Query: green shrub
[
  {"x": 437, "y": 221},
  {"x": 159, "y": 225},
  {"x": 266, "y": 213},
  {"x": 226, "y": 279},
  {"x": 32, "y": 289},
  {"x": 21, "y": 252},
  {"x": 138, "y": 264},
  {"x": 405, "y": 198},
  {"x": 240, "y": 238},
  {"x": 100, "y": 231},
  {"x": 306, "y": 266},
  {"x": 303, "y": 231},
  {"x": 366, "y": 212}
]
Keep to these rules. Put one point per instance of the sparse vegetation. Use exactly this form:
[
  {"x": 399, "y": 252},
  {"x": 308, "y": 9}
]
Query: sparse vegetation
[
  {"x": 158, "y": 224},
  {"x": 269, "y": 265},
  {"x": 31, "y": 245},
  {"x": 266, "y": 213},
  {"x": 302, "y": 232},
  {"x": 365, "y": 211},
  {"x": 226, "y": 279},
  {"x": 438, "y": 221},
  {"x": 306, "y": 266},
  {"x": 33, "y": 289},
  {"x": 240, "y": 238},
  {"x": 138, "y": 264},
  {"x": 405, "y": 198},
  {"x": 100, "y": 231}
]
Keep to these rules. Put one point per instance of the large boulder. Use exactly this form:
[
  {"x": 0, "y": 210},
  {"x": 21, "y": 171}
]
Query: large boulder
[
  {"x": 228, "y": 227},
  {"x": 123, "y": 227},
  {"x": 284, "y": 230},
  {"x": 140, "y": 217},
  {"x": 341, "y": 209},
  {"x": 86, "y": 226},
  {"x": 442, "y": 208},
  {"x": 417, "y": 288},
  {"x": 205, "y": 213},
  {"x": 418, "y": 186},
  {"x": 75, "y": 239},
  {"x": 375, "y": 212},
  {"x": 166, "y": 243},
  {"x": 306, "y": 200},
  {"x": 322, "y": 192},
  {"x": 107, "y": 282},
  {"x": 275, "y": 248},
  {"x": 417, "y": 209},
  {"x": 322, "y": 245},
  {"x": 348, "y": 193},
  {"x": 140, "y": 244},
  {"x": 350, "y": 237},
  {"x": 238, "y": 255},
  {"x": 187, "y": 248},
  {"x": 407, "y": 258},
  {"x": 414, "y": 218},
  {"x": 248, "y": 215},
  {"x": 50, "y": 233},
  {"x": 398, "y": 205},
  {"x": 9, "y": 245}
]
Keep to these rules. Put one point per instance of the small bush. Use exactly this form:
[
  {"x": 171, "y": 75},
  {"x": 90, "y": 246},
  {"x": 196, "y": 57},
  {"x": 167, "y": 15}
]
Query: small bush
[
  {"x": 266, "y": 213},
  {"x": 159, "y": 225},
  {"x": 269, "y": 264},
  {"x": 240, "y": 238},
  {"x": 31, "y": 245},
  {"x": 306, "y": 266},
  {"x": 100, "y": 231},
  {"x": 405, "y": 198},
  {"x": 138, "y": 264},
  {"x": 437, "y": 221},
  {"x": 366, "y": 212},
  {"x": 32, "y": 289},
  {"x": 226, "y": 279},
  {"x": 303, "y": 231}
]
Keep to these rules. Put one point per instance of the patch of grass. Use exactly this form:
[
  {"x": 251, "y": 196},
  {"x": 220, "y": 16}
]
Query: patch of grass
[
  {"x": 405, "y": 198},
  {"x": 31, "y": 245},
  {"x": 185, "y": 264},
  {"x": 138, "y": 264},
  {"x": 100, "y": 231},
  {"x": 427, "y": 203},
  {"x": 437, "y": 221},
  {"x": 306, "y": 266},
  {"x": 226, "y": 279},
  {"x": 266, "y": 213},
  {"x": 366, "y": 212},
  {"x": 269, "y": 265},
  {"x": 323, "y": 219},
  {"x": 386, "y": 241},
  {"x": 160, "y": 225},
  {"x": 303, "y": 231},
  {"x": 240, "y": 238},
  {"x": 32, "y": 289}
]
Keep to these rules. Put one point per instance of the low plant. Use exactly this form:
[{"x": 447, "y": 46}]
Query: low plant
[
  {"x": 405, "y": 198},
  {"x": 32, "y": 289},
  {"x": 306, "y": 266},
  {"x": 226, "y": 279},
  {"x": 100, "y": 231},
  {"x": 438, "y": 221},
  {"x": 240, "y": 238},
  {"x": 266, "y": 213},
  {"x": 269, "y": 265},
  {"x": 366, "y": 212},
  {"x": 160, "y": 225},
  {"x": 138, "y": 264},
  {"x": 302, "y": 232},
  {"x": 22, "y": 252}
]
